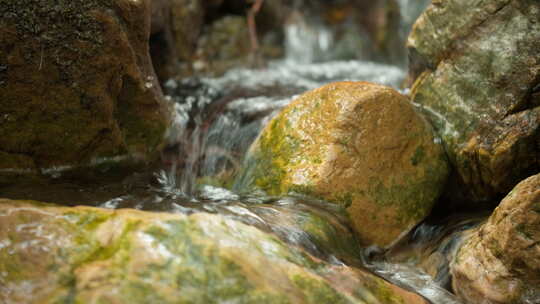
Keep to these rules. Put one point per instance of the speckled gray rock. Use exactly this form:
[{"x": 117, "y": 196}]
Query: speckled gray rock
[{"x": 477, "y": 70}]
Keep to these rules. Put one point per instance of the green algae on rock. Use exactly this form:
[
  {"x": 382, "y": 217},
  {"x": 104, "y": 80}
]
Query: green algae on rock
[
  {"x": 500, "y": 261},
  {"x": 78, "y": 87},
  {"x": 357, "y": 144},
  {"x": 477, "y": 70},
  {"x": 51, "y": 254}
]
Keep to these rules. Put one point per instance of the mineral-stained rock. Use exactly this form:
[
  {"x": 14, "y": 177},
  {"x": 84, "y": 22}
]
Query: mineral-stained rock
[
  {"x": 52, "y": 254},
  {"x": 76, "y": 84},
  {"x": 360, "y": 145},
  {"x": 477, "y": 70},
  {"x": 500, "y": 261}
]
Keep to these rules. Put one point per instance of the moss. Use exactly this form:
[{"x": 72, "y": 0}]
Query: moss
[
  {"x": 86, "y": 220},
  {"x": 272, "y": 155},
  {"x": 203, "y": 265},
  {"x": 418, "y": 156},
  {"x": 413, "y": 195},
  {"x": 384, "y": 293},
  {"x": 141, "y": 292},
  {"x": 328, "y": 236},
  {"x": 317, "y": 291},
  {"x": 73, "y": 22},
  {"x": 345, "y": 199},
  {"x": 143, "y": 132}
]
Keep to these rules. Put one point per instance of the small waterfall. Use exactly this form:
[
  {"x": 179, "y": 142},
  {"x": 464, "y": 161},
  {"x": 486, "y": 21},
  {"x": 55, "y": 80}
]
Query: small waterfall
[
  {"x": 216, "y": 119},
  {"x": 306, "y": 41},
  {"x": 309, "y": 39}
]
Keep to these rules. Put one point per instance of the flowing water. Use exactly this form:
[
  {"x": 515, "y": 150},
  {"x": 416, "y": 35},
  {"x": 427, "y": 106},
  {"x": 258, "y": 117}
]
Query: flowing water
[{"x": 216, "y": 120}]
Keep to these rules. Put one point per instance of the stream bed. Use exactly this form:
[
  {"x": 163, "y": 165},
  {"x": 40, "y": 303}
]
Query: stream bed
[{"x": 216, "y": 119}]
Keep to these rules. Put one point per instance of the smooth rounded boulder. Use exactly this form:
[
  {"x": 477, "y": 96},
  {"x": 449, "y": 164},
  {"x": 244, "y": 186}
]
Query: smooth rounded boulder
[
  {"x": 500, "y": 261},
  {"x": 357, "y": 144},
  {"x": 77, "y": 86},
  {"x": 477, "y": 71}
]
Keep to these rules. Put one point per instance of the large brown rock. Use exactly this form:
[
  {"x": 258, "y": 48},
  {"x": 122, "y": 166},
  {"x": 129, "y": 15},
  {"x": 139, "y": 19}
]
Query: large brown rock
[
  {"x": 51, "y": 254},
  {"x": 77, "y": 85},
  {"x": 176, "y": 27},
  {"x": 477, "y": 70},
  {"x": 500, "y": 261},
  {"x": 357, "y": 144}
]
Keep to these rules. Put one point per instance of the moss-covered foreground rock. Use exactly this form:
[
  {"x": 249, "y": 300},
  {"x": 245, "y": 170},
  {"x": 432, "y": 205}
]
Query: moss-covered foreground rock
[
  {"x": 52, "y": 254},
  {"x": 357, "y": 144},
  {"x": 500, "y": 261},
  {"x": 76, "y": 84},
  {"x": 477, "y": 65}
]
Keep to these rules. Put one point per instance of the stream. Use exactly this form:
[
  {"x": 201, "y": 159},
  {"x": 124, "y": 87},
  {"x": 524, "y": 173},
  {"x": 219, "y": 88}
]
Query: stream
[{"x": 215, "y": 122}]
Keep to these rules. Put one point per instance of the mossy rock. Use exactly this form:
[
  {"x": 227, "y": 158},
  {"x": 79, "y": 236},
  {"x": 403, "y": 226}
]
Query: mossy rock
[
  {"x": 77, "y": 87},
  {"x": 477, "y": 70},
  {"x": 499, "y": 262},
  {"x": 357, "y": 144},
  {"x": 51, "y": 254}
]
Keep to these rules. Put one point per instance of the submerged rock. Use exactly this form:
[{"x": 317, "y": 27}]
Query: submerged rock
[
  {"x": 52, "y": 254},
  {"x": 500, "y": 261},
  {"x": 357, "y": 144},
  {"x": 76, "y": 85},
  {"x": 477, "y": 70}
]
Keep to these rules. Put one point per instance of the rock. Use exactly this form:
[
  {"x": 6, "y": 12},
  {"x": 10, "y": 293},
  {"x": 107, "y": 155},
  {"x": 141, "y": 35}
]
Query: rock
[
  {"x": 91, "y": 255},
  {"x": 225, "y": 44},
  {"x": 500, "y": 261},
  {"x": 176, "y": 27},
  {"x": 187, "y": 24},
  {"x": 77, "y": 86},
  {"x": 357, "y": 144},
  {"x": 477, "y": 70},
  {"x": 225, "y": 41}
]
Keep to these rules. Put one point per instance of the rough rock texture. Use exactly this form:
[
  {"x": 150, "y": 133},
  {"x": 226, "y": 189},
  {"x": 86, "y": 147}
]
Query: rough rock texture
[
  {"x": 76, "y": 84},
  {"x": 176, "y": 27},
  {"x": 477, "y": 70},
  {"x": 357, "y": 144},
  {"x": 54, "y": 254},
  {"x": 500, "y": 261}
]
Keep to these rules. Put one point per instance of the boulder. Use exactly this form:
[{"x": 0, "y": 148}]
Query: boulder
[
  {"x": 77, "y": 87},
  {"x": 187, "y": 23},
  {"x": 51, "y": 254},
  {"x": 477, "y": 71},
  {"x": 176, "y": 27},
  {"x": 357, "y": 144},
  {"x": 500, "y": 261}
]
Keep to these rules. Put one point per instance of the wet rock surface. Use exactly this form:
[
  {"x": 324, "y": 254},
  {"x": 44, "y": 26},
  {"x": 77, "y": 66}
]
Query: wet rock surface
[
  {"x": 477, "y": 71},
  {"x": 83, "y": 254},
  {"x": 357, "y": 144},
  {"x": 500, "y": 261},
  {"x": 77, "y": 86}
]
